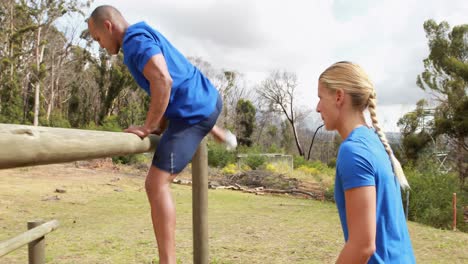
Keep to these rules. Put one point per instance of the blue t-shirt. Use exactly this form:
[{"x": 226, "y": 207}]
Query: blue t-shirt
[
  {"x": 193, "y": 97},
  {"x": 363, "y": 161}
]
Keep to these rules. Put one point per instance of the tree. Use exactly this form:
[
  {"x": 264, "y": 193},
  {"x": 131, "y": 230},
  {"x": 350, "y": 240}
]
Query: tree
[
  {"x": 415, "y": 130},
  {"x": 278, "y": 93},
  {"x": 43, "y": 14},
  {"x": 12, "y": 52},
  {"x": 286, "y": 136},
  {"x": 245, "y": 115},
  {"x": 446, "y": 77},
  {"x": 112, "y": 78}
]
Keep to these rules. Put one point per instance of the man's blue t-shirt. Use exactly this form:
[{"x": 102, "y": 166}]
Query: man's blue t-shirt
[
  {"x": 193, "y": 97},
  {"x": 363, "y": 161}
]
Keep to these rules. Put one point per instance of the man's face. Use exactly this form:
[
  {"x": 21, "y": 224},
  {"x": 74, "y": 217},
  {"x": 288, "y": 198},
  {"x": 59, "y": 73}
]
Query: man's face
[{"x": 103, "y": 35}]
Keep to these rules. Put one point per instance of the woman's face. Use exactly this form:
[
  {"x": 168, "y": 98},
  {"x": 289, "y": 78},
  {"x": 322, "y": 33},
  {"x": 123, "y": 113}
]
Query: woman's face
[{"x": 327, "y": 106}]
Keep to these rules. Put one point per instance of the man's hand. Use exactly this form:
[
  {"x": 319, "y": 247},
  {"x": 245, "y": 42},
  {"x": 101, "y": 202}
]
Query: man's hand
[
  {"x": 140, "y": 131},
  {"x": 158, "y": 131}
]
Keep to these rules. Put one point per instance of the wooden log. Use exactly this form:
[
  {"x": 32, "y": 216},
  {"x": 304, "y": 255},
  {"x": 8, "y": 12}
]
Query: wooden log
[
  {"x": 27, "y": 237},
  {"x": 28, "y": 145}
]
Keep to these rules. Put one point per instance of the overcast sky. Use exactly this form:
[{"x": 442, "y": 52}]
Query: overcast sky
[{"x": 253, "y": 37}]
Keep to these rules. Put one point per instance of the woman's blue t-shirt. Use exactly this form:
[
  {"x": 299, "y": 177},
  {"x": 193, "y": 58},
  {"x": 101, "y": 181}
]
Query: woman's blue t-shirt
[
  {"x": 193, "y": 97},
  {"x": 363, "y": 161}
]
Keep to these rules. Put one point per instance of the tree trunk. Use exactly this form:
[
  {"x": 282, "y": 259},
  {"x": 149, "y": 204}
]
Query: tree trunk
[
  {"x": 52, "y": 90},
  {"x": 37, "y": 86},
  {"x": 296, "y": 138},
  {"x": 462, "y": 165}
]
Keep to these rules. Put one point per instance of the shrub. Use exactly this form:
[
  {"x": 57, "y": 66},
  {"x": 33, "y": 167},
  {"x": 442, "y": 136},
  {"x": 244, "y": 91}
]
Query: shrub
[
  {"x": 330, "y": 193},
  {"x": 245, "y": 167},
  {"x": 218, "y": 156},
  {"x": 230, "y": 169},
  {"x": 271, "y": 167},
  {"x": 56, "y": 120},
  {"x": 431, "y": 194},
  {"x": 299, "y": 161},
  {"x": 255, "y": 161},
  {"x": 132, "y": 159},
  {"x": 308, "y": 170}
]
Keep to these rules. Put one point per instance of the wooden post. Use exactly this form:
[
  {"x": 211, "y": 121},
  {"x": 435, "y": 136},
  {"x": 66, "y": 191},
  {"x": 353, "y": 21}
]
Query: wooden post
[
  {"x": 454, "y": 203},
  {"x": 200, "y": 205},
  {"x": 36, "y": 248}
]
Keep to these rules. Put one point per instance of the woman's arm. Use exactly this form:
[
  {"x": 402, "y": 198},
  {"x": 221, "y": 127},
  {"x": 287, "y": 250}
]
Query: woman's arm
[{"x": 361, "y": 220}]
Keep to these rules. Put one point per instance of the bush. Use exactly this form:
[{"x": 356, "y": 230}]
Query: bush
[
  {"x": 430, "y": 199},
  {"x": 132, "y": 159},
  {"x": 230, "y": 169},
  {"x": 274, "y": 149},
  {"x": 56, "y": 120},
  {"x": 271, "y": 167},
  {"x": 330, "y": 193},
  {"x": 218, "y": 156},
  {"x": 111, "y": 123},
  {"x": 255, "y": 161},
  {"x": 308, "y": 170},
  {"x": 299, "y": 161}
]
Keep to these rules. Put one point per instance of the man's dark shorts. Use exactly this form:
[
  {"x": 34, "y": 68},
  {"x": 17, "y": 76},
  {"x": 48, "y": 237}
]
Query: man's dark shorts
[{"x": 180, "y": 141}]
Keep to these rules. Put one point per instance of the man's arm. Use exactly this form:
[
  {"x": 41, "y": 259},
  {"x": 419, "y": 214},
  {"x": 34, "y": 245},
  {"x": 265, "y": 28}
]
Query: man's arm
[
  {"x": 361, "y": 219},
  {"x": 156, "y": 72}
]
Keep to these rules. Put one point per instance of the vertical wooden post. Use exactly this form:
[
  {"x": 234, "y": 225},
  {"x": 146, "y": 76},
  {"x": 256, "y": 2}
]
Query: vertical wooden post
[
  {"x": 200, "y": 205},
  {"x": 36, "y": 249},
  {"x": 454, "y": 203}
]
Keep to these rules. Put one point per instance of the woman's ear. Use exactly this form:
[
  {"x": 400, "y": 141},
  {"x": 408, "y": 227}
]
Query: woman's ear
[{"x": 339, "y": 97}]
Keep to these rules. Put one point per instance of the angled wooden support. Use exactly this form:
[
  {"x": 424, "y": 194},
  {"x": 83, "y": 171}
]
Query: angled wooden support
[{"x": 37, "y": 230}]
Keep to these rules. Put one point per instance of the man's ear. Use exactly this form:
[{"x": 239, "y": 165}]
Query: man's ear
[{"x": 108, "y": 25}]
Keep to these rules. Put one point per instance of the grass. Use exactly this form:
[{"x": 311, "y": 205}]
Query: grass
[{"x": 104, "y": 218}]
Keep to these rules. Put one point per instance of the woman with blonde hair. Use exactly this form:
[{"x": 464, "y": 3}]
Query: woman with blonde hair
[{"x": 368, "y": 176}]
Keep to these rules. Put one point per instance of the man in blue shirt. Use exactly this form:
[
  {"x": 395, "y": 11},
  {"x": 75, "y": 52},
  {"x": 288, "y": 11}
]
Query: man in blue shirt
[{"x": 179, "y": 92}]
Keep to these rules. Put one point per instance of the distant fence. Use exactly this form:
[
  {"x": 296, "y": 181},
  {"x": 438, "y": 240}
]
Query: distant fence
[{"x": 27, "y": 146}]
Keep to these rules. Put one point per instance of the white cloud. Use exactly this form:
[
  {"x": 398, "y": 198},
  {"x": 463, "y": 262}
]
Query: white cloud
[{"x": 305, "y": 36}]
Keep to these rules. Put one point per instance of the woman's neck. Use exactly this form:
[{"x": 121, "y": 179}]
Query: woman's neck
[{"x": 349, "y": 122}]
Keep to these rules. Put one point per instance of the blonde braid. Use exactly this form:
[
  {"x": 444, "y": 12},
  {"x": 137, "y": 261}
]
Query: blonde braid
[{"x": 397, "y": 169}]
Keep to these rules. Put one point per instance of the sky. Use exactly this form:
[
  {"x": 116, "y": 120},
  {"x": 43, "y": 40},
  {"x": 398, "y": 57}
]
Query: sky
[{"x": 254, "y": 37}]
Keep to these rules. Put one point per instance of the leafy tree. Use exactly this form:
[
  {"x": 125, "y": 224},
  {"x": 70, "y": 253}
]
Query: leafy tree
[
  {"x": 245, "y": 114},
  {"x": 112, "y": 77},
  {"x": 415, "y": 131},
  {"x": 286, "y": 135},
  {"x": 43, "y": 14},
  {"x": 14, "y": 58},
  {"x": 446, "y": 77}
]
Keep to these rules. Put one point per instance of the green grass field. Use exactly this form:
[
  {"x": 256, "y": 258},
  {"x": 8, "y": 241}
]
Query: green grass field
[{"x": 104, "y": 218}]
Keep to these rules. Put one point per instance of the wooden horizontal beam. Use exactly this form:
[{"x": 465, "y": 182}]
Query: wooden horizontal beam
[
  {"x": 22, "y": 145},
  {"x": 27, "y": 237}
]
